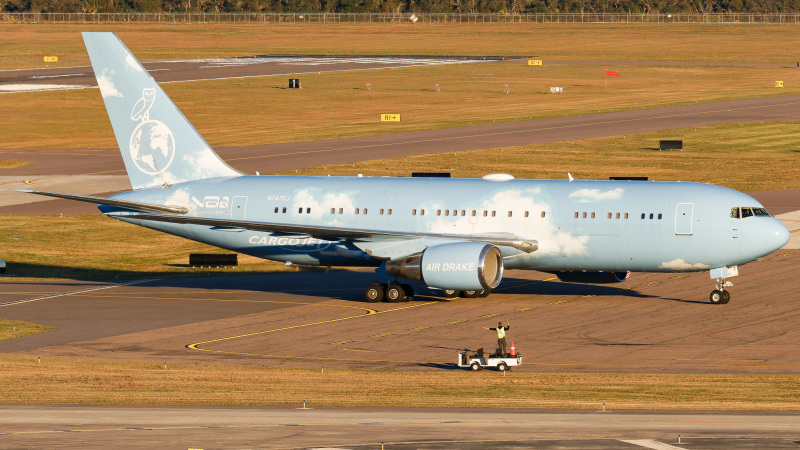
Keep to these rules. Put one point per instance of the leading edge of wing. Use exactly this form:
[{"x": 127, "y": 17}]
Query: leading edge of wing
[
  {"x": 135, "y": 206},
  {"x": 335, "y": 233}
]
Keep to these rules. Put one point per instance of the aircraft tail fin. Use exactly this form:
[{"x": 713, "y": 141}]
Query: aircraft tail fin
[{"x": 158, "y": 144}]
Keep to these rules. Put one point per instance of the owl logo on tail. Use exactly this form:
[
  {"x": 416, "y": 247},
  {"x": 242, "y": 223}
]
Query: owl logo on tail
[{"x": 141, "y": 110}]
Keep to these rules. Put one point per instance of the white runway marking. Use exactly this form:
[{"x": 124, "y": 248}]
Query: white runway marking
[
  {"x": 63, "y": 294},
  {"x": 9, "y": 88},
  {"x": 649, "y": 443}
]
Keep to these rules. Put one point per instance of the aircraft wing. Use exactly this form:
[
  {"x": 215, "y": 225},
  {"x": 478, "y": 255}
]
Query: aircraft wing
[
  {"x": 135, "y": 206},
  {"x": 337, "y": 233}
]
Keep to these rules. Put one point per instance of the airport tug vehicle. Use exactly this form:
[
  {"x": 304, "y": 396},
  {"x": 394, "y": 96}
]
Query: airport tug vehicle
[{"x": 477, "y": 361}]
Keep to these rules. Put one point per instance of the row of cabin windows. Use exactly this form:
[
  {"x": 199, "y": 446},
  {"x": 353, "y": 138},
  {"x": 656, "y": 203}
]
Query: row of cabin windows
[
  {"x": 473, "y": 213},
  {"x": 363, "y": 211},
  {"x": 592, "y": 215}
]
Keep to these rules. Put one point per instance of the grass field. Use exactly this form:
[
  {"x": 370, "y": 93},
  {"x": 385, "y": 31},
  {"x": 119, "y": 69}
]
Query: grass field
[
  {"x": 331, "y": 105},
  {"x": 26, "y": 44},
  {"x": 10, "y": 329},
  {"x": 25, "y": 380},
  {"x": 77, "y": 247}
]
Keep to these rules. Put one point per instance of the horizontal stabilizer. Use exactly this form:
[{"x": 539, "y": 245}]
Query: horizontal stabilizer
[
  {"x": 336, "y": 233},
  {"x": 135, "y": 206}
]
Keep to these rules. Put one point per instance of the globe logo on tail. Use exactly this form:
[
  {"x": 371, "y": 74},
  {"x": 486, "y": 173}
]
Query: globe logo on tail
[{"x": 152, "y": 144}]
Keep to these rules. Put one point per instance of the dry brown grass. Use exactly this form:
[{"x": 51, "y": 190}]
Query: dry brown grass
[
  {"x": 60, "y": 381},
  {"x": 746, "y": 157},
  {"x": 330, "y": 105},
  {"x": 26, "y": 44},
  {"x": 77, "y": 247},
  {"x": 13, "y": 163},
  {"x": 10, "y": 329}
]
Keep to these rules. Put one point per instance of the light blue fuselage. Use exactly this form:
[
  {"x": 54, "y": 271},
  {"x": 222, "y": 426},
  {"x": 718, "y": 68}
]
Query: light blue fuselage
[{"x": 579, "y": 225}]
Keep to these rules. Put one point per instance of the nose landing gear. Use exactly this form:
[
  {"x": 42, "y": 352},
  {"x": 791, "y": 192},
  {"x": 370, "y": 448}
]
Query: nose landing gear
[{"x": 720, "y": 296}]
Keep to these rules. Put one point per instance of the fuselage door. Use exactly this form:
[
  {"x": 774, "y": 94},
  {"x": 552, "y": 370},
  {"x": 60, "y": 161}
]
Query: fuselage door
[
  {"x": 683, "y": 218},
  {"x": 238, "y": 208}
]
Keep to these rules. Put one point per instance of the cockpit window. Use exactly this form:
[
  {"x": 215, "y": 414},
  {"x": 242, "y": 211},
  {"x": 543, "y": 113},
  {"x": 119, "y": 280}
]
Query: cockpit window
[
  {"x": 760, "y": 212},
  {"x": 746, "y": 211}
]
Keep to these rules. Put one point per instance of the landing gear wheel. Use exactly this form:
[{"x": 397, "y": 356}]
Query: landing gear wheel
[
  {"x": 475, "y": 367},
  {"x": 409, "y": 292},
  {"x": 451, "y": 293},
  {"x": 717, "y": 297},
  {"x": 472, "y": 294},
  {"x": 395, "y": 293},
  {"x": 726, "y": 297},
  {"x": 502, "y": 367},
  {"x": 486, "y": 293},
  {"x": 374, "y": 293}
]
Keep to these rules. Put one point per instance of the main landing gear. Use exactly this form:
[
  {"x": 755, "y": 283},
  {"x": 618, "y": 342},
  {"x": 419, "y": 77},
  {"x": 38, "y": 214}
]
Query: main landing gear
[
  {"x": 391, "y": 292},
  {"x": 720, "y": 296},
  {"x": 452, "y": 293}
]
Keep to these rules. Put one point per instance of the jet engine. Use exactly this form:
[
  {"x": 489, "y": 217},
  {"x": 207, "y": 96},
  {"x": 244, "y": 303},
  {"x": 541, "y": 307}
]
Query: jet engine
[
  {"x": 462, "y": 266},
  {"x": 593, "y": 277}
]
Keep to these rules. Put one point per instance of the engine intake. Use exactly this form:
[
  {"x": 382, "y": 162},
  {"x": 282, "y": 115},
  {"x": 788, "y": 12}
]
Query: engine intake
[
  {"x": 593, "y": 277},
  {"x": 462, "y": 266}
]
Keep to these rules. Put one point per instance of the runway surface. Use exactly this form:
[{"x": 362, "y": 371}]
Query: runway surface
[
  {"x": 42, "y": 79},
  {"x": 390, "y": 428},
  {"x": 650, "y": 324}
]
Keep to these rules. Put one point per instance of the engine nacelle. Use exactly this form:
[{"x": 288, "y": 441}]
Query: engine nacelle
[
  {"x": 593, "y": 277},
  {"x": 462, "y": 265}
]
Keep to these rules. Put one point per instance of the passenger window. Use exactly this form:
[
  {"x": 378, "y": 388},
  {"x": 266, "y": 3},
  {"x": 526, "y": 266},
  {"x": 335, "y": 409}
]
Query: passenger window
[
  {"x": 333, "y": 210},
  {"x": 509, "y": 214},
  {"x": 390, "y": 212},
  {"x": 276, "y": 210},
  {"x": 413, "y": 212},
  {"x": 474, "y": 213},
  {"x": 438, "y": 212},
  {"x": 542, "y": 214},
  {"x": 284, "y": 210},
  {"x": 735, "y": 212},
  {"x": 576, "y": 214},
  {"x": 609, "y": 215},
  {"x": 485, "y": 213},
  {"x": 592, "y": 215},
  {"x": 618, "y": 216},
  {"x": 381, "y": 211},
  {"x": 463, "y": 213},
  {"x": 455, "y": 212},
  {"x": 494, "y": 213},
  {"x": 659, "y": 216},
  {"x": 446, "y": 212},
  {"x": 651, "y": 216},
  {"x": 308, "y": 210},
  {"x": 626, "y": 215},
  {"x": 300, "y": 210},
  {"x": 526, "y": 213},
  {"x": 642, "y": 215},
  {"x": 356, "y": 210},
  {"x": 341, "y": 210},
  {"x": 421, "y": 212},
  {"x": 584, "y": 215}
]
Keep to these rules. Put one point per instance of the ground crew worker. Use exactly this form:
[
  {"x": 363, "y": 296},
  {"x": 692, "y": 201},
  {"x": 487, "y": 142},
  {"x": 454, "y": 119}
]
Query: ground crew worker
[{"x": 501, "y": 335}]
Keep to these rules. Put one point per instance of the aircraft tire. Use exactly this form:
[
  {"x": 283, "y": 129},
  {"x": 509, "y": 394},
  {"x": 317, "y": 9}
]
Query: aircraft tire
[
  {"x": 374, "y": 293},
  {"x": 409, "y": 292},
  {"x": 472, "y": 294},
  {"x": 451, "y": 293},
  {"x": 717, "y": 297},
  {"x": 726, "y": 297},
  {"x": 395, "y": 293},
  {"x": 485, "y": 293}
]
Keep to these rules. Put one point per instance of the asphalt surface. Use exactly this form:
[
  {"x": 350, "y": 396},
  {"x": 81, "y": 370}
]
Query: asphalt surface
[{"x": 389, "y": 428}]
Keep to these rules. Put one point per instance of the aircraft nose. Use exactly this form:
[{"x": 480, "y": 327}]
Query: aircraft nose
[{"x": 776, "y": 235}]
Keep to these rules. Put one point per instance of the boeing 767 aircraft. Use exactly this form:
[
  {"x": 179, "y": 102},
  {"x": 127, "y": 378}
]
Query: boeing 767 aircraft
[{"x": 457, "y": 235}]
